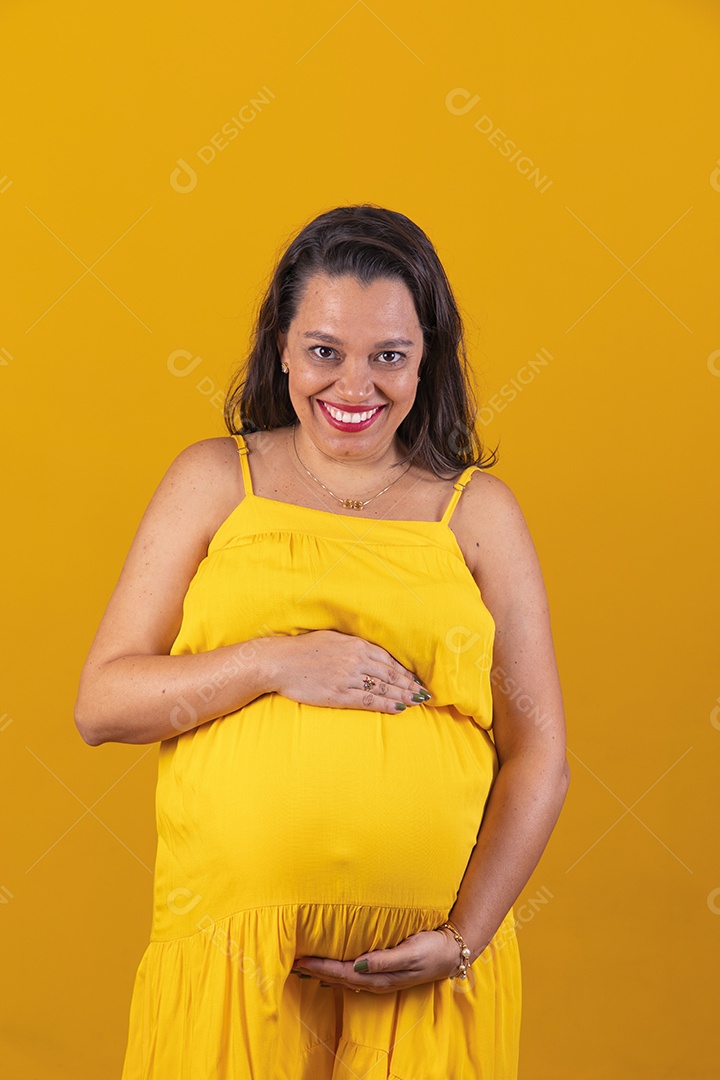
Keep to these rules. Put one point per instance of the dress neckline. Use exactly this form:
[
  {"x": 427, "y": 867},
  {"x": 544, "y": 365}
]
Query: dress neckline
[
  {"x": 439, "y": 532},
  {"x": 458, "y": 488},
  {"x": 443, "y": 536},
  {"x": 346, "y": 517}
]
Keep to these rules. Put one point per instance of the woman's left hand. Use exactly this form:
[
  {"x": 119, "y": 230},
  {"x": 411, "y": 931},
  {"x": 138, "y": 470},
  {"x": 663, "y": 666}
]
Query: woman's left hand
[{"x": 424, "y": 957}]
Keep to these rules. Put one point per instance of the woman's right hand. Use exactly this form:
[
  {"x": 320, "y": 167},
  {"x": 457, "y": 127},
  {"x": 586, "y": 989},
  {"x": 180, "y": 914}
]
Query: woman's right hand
[{"x": 326, "y": 667}]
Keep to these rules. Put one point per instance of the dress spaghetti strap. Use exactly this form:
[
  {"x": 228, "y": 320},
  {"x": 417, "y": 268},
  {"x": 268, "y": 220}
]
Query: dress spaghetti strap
[
  {"x": 243, "y": 451},
  {"x": 459, "y": 485}
]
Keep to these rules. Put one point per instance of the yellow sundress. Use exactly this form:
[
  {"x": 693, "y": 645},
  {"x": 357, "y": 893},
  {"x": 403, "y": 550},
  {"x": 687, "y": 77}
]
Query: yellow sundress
[{"x": 291, "y": 830}]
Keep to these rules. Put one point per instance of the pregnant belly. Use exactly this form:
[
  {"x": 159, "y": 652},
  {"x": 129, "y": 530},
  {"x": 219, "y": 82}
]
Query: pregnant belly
[{"x": 283, "y": 804}]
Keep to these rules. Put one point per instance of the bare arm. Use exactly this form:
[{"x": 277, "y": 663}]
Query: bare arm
[
  {"x": 528, "y": 721},
  {"x": 131, "y": 690}
]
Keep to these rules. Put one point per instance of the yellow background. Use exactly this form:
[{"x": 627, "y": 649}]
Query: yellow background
[{"x": 108, "y": 270}]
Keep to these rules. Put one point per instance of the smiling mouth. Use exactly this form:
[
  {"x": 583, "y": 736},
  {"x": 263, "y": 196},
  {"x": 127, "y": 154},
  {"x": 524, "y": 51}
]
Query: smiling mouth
[{"x": 356, "y": 416}]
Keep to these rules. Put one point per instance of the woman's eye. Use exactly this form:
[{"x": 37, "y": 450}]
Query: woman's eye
[{"x": 321, "y": 352}]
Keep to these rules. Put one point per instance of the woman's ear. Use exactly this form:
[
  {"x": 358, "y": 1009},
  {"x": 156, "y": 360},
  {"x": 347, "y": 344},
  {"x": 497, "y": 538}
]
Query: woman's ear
[{"x": 281, "y": 344}]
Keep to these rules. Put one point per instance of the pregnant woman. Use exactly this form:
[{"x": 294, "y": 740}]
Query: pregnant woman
[{"x": 334, "y": 623}]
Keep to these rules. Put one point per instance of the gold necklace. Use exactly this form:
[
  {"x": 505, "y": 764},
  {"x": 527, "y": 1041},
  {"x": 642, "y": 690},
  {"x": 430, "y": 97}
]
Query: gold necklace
[{"x": 348, "y": 504}]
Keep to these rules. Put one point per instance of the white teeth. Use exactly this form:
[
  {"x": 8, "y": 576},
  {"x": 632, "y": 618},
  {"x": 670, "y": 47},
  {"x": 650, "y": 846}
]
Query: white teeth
[{"x": 349, "y": 418}]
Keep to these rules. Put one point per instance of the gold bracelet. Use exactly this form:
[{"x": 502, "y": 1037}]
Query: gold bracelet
[{"x": 464, "y": 951}]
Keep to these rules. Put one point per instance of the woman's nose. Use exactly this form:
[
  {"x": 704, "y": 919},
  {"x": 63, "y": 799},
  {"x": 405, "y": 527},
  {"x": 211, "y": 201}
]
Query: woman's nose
[{"x": 354, "y": 382}]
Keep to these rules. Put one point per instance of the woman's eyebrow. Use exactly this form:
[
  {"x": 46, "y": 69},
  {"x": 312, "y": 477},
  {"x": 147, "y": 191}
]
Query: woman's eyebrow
[{"x": 388, "y": 344}]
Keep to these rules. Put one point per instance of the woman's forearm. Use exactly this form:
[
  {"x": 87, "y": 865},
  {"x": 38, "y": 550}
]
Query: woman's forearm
[
  {"x": 145, "y": 699},
  {"x": 521, "y": 812}
]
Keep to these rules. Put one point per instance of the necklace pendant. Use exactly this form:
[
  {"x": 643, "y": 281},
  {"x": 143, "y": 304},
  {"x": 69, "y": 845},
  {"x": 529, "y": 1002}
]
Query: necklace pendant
[{"x": 352, "y": 504}]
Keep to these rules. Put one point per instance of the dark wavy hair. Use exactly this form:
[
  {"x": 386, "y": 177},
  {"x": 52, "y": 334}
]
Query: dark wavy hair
[{"x": 369, "y": 242}]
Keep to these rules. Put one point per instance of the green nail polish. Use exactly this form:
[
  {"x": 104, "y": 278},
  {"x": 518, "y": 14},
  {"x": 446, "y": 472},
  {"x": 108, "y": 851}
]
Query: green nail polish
[
  {"x": 400, "y": 705},
  {"x": 419, "y": 697},
  {"x": 361, "y": 965}
]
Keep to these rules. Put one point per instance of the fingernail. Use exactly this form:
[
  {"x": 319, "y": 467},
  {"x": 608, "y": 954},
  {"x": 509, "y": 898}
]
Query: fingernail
[
  {"x": 420, "y": 697},
  {"x": 416, "y": 679},
  {"x": 361, "y": 965},
  {"x": 400, "y": 705}
]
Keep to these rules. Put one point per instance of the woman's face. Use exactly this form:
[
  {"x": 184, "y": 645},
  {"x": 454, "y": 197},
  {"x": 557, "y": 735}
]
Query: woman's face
[{"x": 353, "y": 350}]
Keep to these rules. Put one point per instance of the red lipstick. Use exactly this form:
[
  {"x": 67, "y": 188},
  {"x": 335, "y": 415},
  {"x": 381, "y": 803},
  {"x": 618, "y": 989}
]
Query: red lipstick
[{"x": 343, "y": 425}]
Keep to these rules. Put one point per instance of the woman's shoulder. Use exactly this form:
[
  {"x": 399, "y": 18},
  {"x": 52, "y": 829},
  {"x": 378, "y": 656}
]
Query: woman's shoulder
[
  {"x": 206, "y": 479},
  {"x": 214, "y": 463},
  {"x": 210, "y": 458},
  {"x": 221, "y": 448},
  {"x": 483, "y": 486},
  {"x": 488, "y": 520}
]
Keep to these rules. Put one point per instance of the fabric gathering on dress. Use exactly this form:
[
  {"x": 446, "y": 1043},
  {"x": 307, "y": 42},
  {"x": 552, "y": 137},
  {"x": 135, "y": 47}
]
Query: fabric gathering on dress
[{"x": 288, "y": 830}]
